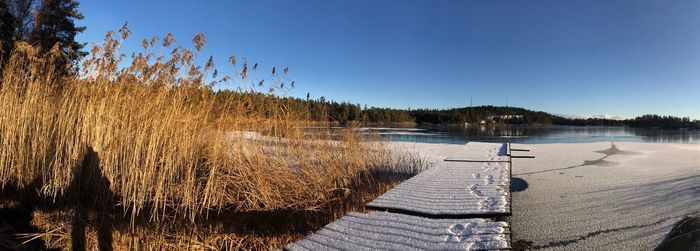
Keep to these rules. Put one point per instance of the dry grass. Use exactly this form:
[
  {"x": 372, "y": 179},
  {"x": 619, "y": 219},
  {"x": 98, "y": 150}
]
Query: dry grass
[{"x": 167, "y": 150}]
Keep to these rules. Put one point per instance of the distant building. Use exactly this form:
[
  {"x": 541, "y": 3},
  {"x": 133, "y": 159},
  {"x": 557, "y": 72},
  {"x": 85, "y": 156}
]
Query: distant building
[{"x": 504, "y": 117}]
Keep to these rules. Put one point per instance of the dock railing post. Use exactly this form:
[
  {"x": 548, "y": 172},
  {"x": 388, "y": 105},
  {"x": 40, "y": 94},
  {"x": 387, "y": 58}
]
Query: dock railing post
[{"x": 510, "y": 177}]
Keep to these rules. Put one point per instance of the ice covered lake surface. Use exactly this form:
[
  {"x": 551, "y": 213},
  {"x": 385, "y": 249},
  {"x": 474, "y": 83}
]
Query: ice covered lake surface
[
  {"x": 532, "y": 134},
  {"x": 593, "y": 196}
]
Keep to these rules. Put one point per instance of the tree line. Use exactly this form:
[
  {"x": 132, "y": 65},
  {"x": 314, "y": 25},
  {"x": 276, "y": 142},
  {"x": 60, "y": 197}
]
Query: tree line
[
  {"x": 663, "y": 122},
  {"x": 44, "y": 24},
  {"x": 481, "y": 115},
  {"x": 345, "y": 113},
  {"x": 320, "y": 110}
]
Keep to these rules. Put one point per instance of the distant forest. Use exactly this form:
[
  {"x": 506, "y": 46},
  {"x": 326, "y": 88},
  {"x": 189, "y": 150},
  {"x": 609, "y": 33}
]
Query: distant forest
[{"x": 344, "y": 113}]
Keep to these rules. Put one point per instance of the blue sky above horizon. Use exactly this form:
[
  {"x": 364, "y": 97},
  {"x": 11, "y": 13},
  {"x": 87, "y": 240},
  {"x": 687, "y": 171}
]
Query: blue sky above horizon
[{"x": 627, "y": 57}]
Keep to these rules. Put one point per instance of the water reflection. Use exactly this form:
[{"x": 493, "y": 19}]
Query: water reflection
[{"x": 534, "y": 134}]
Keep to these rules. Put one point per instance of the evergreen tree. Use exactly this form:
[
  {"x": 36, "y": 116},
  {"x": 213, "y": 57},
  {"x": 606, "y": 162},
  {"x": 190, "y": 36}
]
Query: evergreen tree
[
  {"x": 23, "y": 17},
  {"x": 55, "y": 23},
  {"x": 7, "y": 29}
]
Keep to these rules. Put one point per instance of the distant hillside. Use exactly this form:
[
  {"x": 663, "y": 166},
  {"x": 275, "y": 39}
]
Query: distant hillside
[
  {"x": 482, "y": 114},
  {"x": 516, "y": 115},
  {"x": 345, "y": 112}
]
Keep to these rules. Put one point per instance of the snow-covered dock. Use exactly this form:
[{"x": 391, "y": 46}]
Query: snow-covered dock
[
  {"x": 391, "y": 231},
  {"x": 476, "y": 186},
  {"x": 447, "y": 207},
  {"x": 456, "y": 189}
]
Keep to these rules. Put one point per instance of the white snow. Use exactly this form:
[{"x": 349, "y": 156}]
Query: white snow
[
  {"x": 626, "y": 201},
  {"x": 390, "y": 231}
]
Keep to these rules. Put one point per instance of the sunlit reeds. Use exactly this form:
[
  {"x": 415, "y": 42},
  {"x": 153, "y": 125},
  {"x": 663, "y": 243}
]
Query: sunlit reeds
[{"x": 168, "y": 145}]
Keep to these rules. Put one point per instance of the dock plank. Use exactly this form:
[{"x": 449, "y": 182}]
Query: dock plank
[
  {"x": 467, "y": 189},
  {"x": 390, "y": 231}
]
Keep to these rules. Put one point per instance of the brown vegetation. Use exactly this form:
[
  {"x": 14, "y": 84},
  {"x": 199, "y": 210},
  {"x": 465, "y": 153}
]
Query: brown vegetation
[{"x": 144, "y": 153}]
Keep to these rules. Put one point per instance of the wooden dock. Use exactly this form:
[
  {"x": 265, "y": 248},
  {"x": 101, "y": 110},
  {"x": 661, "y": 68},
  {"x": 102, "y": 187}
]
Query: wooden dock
[
  {"x": 391, "y": 231},
  {"x": 453, "y": 190},
  {"x": 448, "y": 207}
]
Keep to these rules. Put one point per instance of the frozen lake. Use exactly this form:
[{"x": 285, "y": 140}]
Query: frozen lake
[{"x": 533, "y": 134}]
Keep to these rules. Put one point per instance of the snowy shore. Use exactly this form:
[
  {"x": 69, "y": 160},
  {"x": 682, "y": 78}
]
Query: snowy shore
[{"x": 593, "y": 196}]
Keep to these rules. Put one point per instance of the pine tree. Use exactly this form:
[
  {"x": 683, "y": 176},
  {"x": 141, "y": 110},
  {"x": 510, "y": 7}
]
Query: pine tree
[
  {"x": 55, "y": 23},
  {"x": 7, "y": 29},
  {"x": 22, "y": 12}
]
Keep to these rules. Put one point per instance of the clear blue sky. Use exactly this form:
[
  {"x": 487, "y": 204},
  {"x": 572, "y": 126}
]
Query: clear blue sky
[{"x": 623, "y": 57}]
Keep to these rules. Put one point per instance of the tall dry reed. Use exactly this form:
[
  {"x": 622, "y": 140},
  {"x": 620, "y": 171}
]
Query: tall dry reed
[{"x": 168, "y": 145}]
